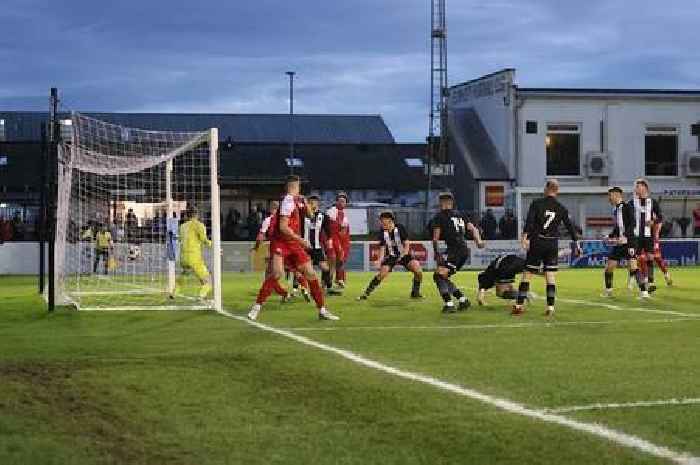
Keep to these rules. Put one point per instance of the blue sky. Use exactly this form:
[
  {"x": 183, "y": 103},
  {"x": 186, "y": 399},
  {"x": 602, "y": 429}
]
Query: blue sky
[{"x": 354, "y": 56}]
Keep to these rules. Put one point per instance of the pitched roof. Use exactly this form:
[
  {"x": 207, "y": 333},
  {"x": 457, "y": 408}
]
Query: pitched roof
[
  {"x": 327, "y": 167},
  {"x": 470, "y": 140},
  {"x": 259, "y": 128}
]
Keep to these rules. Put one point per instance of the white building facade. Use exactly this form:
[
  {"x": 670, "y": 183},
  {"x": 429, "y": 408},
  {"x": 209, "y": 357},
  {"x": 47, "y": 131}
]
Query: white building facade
[{"x": 512, "y": 139}]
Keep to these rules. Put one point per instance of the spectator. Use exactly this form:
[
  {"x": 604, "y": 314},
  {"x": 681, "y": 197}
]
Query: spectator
[
  {"x": 489, "y": 225},
  {"x": 17, "y": 228},
  {"x": 5, "y": 230},
  {"x": 508, "y": 226},
  {"x": 683, "y": 223},
  {"x": 132, "y": 224},
  {"x": 253, "y": 224},
  {"x": 696, "y": 223},
  {"x": 666, "y": 228}
]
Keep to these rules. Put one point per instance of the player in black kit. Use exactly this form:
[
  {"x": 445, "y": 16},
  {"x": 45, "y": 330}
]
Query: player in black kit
[
  {"x": 316, "y": 230},
  {"x": 395, "y": 250},
  {"x": 452, "y": 227},
  {"x": 646, "y": 213},
  {"x": 620, "y": 238},
  {"x": 541, "y": 241},
  {"x": 500, "y": 273}
]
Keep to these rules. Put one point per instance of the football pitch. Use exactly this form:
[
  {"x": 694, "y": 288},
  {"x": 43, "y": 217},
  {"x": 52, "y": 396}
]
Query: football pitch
[{"x": 607, "y": 381}]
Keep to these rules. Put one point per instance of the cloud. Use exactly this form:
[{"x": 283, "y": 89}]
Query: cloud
[{"x": 359, "y": 56}]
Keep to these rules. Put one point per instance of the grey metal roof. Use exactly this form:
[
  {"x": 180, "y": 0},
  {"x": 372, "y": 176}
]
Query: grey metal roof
[
  {"x": 257, "y": 128},
  {"x": 470, "y": 140}
]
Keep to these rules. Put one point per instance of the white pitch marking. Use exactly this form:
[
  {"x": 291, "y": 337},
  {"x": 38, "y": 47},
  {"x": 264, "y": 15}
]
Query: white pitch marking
[
  {"x": 486, "y": 326},
  {"x": 643, "y": 403},
  {"x": 615, "y": 436}
]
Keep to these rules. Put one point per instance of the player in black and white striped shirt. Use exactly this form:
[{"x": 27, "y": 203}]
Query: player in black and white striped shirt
[
  {"x": 619, "y": 238},
  {"x": 316, "y": 232},
  {"x": 646, "y": 214},
  {"x": 395, "y": 250}
]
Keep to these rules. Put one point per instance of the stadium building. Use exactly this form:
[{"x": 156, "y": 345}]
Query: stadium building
[
  {"x": 505, "y": 140},
  {"x": 354, "y": 153}
]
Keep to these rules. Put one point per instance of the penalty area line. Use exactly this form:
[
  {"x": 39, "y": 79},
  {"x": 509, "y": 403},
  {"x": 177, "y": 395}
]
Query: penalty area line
[
  {"x": 622, "y": 405},
  {"x": 615, "y": 436}
]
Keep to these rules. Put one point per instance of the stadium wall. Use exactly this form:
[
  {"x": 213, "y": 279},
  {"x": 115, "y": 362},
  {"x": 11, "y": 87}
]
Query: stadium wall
[{"x": 23, "y": 257}]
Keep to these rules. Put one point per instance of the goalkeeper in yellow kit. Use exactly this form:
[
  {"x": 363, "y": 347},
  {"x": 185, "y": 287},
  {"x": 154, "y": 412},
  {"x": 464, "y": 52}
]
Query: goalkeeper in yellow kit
[{"x": 192, "y": 236}]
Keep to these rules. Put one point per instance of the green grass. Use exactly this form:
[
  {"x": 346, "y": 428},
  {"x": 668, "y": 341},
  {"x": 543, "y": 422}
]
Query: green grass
[{"x": 199, "y": 388}]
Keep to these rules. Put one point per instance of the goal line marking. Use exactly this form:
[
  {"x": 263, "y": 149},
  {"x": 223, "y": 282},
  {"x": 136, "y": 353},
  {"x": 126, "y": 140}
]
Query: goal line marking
[
  {"x": 643, "y": 403},
  {"x": 601, "y": 431},
  {"x": 486, "y": 326}
]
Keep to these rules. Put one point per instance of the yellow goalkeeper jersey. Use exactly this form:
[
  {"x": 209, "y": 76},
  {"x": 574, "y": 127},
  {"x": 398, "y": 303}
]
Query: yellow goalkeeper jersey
[
  {"x": 103, "y": 240},
  {"x": 193, "y": 235}
]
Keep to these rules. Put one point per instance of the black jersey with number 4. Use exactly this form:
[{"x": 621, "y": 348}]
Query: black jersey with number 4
[
  {"x": 544, "y": 218},
  {"x": 393, "y": 240},
  {"x": 453, "y": 228}
]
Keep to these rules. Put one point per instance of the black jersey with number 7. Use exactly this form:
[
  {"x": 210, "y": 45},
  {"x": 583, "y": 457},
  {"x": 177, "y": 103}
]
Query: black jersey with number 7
[{"x": 544, "y": 218}]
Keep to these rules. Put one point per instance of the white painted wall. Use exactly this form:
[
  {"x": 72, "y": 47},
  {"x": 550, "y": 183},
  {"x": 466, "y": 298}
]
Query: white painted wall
[
  {"x": 19, "y": 258},
  {"x": 626, "y": 121}
]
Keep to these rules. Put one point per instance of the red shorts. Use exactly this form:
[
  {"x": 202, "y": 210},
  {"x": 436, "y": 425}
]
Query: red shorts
[
  {"x": 293, "y": 253},
  {"x": 340, "y": 248}
]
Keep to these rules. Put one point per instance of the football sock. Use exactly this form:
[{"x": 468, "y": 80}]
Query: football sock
[
  {"x": 316, "y": 293},
  {"x": 551, "y": 293},
  {"x": 456, "y": 292},
  {"x": 326, "y": 278},
  {"x": 640, "y": 280},
  {"x": 662, "y": 264},
  {"x": 416, "y": 286},
  {"x": 303, "y": 281},
  {"x": 266, "y": 289},
  {"x": 608, "y": 279},
  {"x": 522, "y": 292},
  {"x": 443, "y": 286},
  {"x": 372, "y": 285}
]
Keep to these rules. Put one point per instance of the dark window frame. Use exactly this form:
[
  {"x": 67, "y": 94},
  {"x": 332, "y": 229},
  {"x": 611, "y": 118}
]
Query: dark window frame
[
  {"x": 563, "y": 130},
  {"x": 663, "y": 133}
]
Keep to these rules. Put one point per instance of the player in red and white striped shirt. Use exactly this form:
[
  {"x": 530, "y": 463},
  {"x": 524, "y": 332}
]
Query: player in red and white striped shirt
[
  {"x": 338, "y": 245},
  {"x": 288, "y": 247}
]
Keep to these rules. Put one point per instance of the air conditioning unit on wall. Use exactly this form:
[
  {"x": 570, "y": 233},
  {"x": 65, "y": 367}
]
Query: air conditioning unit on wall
[
  {"x": 692, "y": 164},
  {"x": 597, "y": 164}
]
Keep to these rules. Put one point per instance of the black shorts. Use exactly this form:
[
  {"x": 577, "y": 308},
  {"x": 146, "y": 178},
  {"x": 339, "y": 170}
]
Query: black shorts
[
  {"x": 456, "y": 258},
  {"x": 391, "y": 261},
  {"x": 643, "y": 244},
  {"x": 317, "y": 256},
  {"x": 104, "y": 253},
  {"x": 508, "y": 269},
  {"x": 619, "y": 252},
  {"x": 543, "y": 252}
]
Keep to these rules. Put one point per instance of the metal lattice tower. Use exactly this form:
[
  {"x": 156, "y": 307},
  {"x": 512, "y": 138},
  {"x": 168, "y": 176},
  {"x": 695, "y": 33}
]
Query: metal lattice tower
[
  {"x": 437, "y": 130},
  {"x": 438, "y": 78}
]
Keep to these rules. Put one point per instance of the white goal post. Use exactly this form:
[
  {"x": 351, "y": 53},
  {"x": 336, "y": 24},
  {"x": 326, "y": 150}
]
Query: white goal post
[{"x": 128, "y": 200}]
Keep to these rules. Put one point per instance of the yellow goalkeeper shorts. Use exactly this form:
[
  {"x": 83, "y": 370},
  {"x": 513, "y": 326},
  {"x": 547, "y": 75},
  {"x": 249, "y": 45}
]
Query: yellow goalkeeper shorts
[{"x": 197, "y": 267}]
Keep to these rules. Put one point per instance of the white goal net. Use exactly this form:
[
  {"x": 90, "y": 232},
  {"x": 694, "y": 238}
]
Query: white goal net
[{"x": 128, "y": 201}]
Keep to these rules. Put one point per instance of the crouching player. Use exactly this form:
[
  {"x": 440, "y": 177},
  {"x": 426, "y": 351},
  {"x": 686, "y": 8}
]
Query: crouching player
[
  {"x": 288, "y": 247},
  {"x": 501, "y": 273},
  {"x": 192, "y": 236},
  {"x": 395, "y": 250}
]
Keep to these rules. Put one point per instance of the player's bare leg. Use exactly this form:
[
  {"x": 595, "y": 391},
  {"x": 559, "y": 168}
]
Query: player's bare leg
[
  {"x": 661, "y": 263},
  {"x": 415, "y": 268},
  {"x": 332, "y": 262},
  {"x": 316, "y": 292}
]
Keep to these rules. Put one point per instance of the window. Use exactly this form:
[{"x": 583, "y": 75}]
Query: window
[
  {"x": 3, "y": 160},
  {"x": 661, "y": 151},
  {"x": 495, "y": 196},
  {"x": 2, "y": 129},
  {"x": 563, "y": 143},
  {"x": 413, "y": 162}
]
